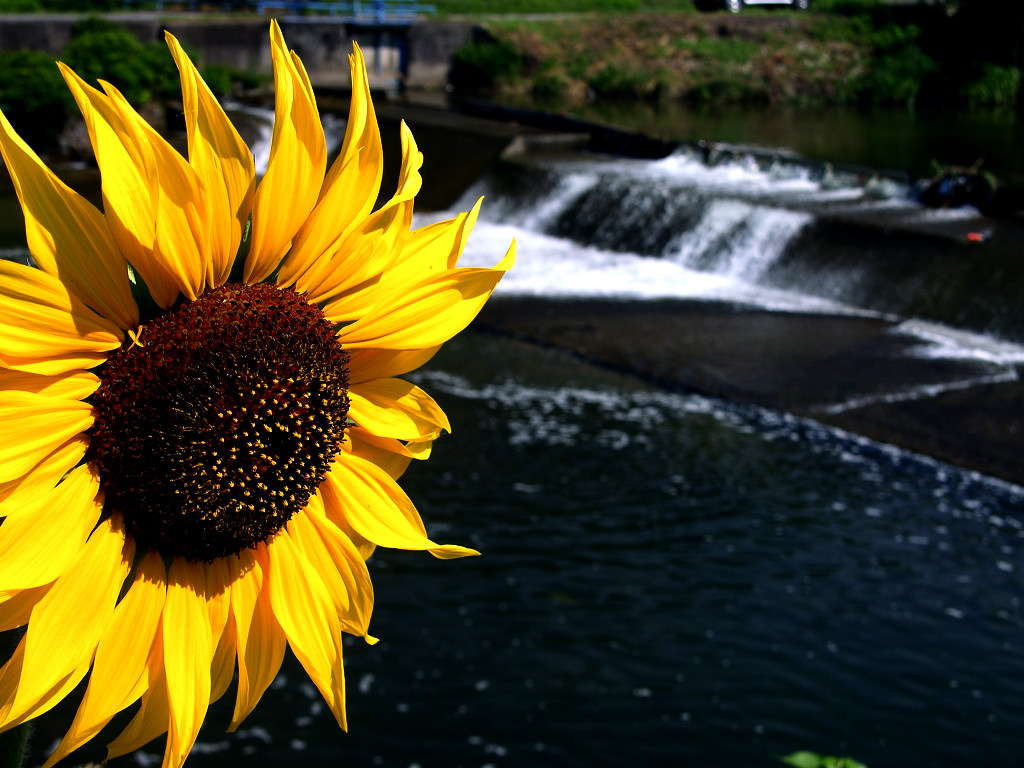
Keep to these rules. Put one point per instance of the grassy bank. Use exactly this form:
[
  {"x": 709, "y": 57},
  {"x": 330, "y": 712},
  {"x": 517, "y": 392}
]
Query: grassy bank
[
  {"x": 564, "y": 54},
  {"x": 763, "y": 58},
  {"x": 838, "y": 54}
]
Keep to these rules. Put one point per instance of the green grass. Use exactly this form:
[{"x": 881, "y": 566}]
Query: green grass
[
  {"x": 514, "y": 7},
  {"x": 721, "y": 49}
]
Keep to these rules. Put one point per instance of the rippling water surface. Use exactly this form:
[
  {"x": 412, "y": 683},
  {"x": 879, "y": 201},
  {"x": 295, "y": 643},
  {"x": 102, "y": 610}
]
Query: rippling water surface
[{"x": 668, "y": 580}]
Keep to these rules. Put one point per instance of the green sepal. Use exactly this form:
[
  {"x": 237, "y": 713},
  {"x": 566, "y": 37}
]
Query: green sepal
[
  {"x": 238, "y": 265},
  {"x": 148, "y": 308}
]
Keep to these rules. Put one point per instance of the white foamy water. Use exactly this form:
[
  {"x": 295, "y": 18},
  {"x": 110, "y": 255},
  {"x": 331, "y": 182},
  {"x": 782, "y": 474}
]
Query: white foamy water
[
  {"x": 747, "y": 237},
  {"x": 725, "y": 226},
  {"x": 744, "y": 237},
  {"x": 940, "y": 341},
  {"x": 556, "y": 267}
]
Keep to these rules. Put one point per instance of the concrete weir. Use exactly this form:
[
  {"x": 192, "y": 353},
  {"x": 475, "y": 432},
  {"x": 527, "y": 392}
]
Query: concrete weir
[{"x": 412, "y": 54}]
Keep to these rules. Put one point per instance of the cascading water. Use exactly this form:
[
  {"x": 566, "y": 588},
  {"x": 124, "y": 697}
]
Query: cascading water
[
  {"x": 771, "y": 234},
  {"x": 738, "y": 239}
]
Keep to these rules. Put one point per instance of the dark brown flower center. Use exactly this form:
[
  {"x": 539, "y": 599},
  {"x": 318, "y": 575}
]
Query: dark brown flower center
[{"x": 218, "y": 428}]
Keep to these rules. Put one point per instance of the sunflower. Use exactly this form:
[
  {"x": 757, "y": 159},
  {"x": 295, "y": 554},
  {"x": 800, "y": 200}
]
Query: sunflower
[{"x": 201, "y": 420}]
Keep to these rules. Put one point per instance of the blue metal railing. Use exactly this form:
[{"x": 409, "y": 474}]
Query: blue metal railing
[{"x": 357, "y": 11}]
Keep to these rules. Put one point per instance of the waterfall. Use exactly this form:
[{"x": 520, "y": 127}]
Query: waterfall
[
  {"x": 738, "y": 239},
  {"x": 769, "y": 232},
  {"x": 719, "y": 220},
  {"x": 642, "y": 229}
]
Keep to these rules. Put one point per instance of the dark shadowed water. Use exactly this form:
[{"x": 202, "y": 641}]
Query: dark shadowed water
[{"x": 668, "y": 580}]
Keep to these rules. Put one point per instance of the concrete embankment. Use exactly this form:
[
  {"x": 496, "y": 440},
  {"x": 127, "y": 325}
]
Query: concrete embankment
[{"x": 854, "y": 373}]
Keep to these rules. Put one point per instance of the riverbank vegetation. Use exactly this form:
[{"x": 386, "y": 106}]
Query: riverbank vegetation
[
  {"x": 36, "y": 99},
  {"x": 562, "y": 54},
  {"x": 842, "y": 52}
]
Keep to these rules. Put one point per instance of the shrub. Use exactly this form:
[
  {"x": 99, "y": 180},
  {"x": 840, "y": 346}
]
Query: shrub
[
  {"x": 548, "y": 84},
  {"x": 81, "y": 6},
  {"x": 995, "y": 86},
  {"x": 846, "y": 7},
  {"x": 614, "y": 81},
  {"x": 898, "y": 66},
  {"x": 164, "y": 82},
  {"x": 98, "y": 49},
  {"x": 485, "y": 64},
  {"x": 20, "y": 6},
  {"x": 220, "y": 78},
  {"x": 34, "y": 96},
  {"x": 478, "y": 7},
  {"x": 36, "y": 99}
]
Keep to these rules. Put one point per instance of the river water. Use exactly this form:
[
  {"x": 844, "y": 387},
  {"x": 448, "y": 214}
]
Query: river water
[
  {"x": 896, "y": 139},
  {"x": 669, "y": 579}
]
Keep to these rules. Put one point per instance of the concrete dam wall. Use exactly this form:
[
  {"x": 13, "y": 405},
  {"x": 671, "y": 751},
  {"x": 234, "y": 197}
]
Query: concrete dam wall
[{"x": 416, "y": 55}]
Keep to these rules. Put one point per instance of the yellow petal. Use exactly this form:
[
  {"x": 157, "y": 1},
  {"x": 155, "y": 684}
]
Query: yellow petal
[
  {"x": 67, "y": 237},
  {"x": 16, "y": 606},
  {"x": 10, "y": 686},
  {"x": 217, "y": 580},
  {"x": 396, "y": 214},
  {"x": 351, "y": 186},
  {"x": 373, "y": 247},
  {"x": 38, "y": 547},
  {"x": 33, "y": 426},
  {"x": 346, "y": 274},
  {"x": 377, "y": 508},
  {"x": 437, "y": 246},
  {"x": 260, "y": 640},
  {"x": 119, "y": 672},
  {"x": 347, "y": 560},
  {"x": 152, "y": 197},
  {"x": 152, "y": 718},
  {"x": 218, "y": 603},
  {"x": 222, "y": 161},
  {"x": 76, "y": 385},
  {"x": 369, "y": 364},
  {"x": 69, "y": 621},
  {"x": 295, "y": 171},
  {"x": 188, "y": 656},
  {"x": 426, "y": 313},
  {"x": 335, "y": 516},
  {"x": 42, "y": 322},
  {"x": 338, "y": 563},
  {"x": 27, "y": 493},
  {"x": 391, "y": 455},
  {"x": 304, "y": 609},
  {"x": 396, "y": 408},
  {"x": 419, "y": 449},
  {"x": 222, "y": 671}
]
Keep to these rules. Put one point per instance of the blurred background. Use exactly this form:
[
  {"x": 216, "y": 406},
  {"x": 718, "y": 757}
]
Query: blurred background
[{"x": 737, "y": 437}]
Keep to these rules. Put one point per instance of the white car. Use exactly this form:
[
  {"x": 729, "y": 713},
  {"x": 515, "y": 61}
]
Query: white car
[{"x": 735, "y": 6}]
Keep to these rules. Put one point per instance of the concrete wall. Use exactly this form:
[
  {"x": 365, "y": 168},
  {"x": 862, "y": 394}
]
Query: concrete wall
[{"x": 243, "y": 43}]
